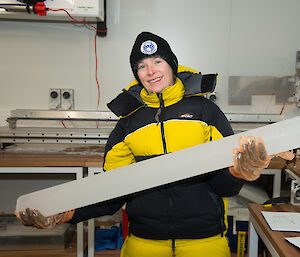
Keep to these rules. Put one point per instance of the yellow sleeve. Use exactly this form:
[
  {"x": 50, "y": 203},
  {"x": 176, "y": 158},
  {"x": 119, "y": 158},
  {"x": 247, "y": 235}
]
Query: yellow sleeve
[{"x": 119, "y": 155}]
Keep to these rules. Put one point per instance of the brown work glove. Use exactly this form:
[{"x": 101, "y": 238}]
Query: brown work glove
[
  {"x": 32, "y": 217},
  {"x": 251, "y": 158}
]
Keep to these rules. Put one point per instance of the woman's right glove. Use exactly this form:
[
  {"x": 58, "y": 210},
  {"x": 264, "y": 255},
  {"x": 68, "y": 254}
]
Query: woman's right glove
[{"x": 32, "y": 217}]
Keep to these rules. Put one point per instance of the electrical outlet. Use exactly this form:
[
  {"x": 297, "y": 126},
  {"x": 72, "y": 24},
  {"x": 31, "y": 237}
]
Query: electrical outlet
[
  {"x": 54, "y": 98},
  {"x": 67, "y": 99}
]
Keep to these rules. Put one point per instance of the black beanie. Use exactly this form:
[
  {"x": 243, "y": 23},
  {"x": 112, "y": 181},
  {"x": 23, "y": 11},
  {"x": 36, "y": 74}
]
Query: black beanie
[{"x": 150, "y": 45}]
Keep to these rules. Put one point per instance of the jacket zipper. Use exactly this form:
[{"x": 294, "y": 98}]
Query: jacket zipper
[
  {"x": 159, "y": 111},
  {"x": 160, "y": 120}
]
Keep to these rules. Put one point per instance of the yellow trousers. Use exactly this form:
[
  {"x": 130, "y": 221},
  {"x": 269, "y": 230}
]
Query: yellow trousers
[{"x": 215, "y": 246}]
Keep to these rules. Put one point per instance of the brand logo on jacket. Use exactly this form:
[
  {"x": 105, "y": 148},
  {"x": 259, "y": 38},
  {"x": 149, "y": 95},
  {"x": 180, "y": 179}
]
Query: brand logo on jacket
[
  {"x": 148, "y": 47},
  {"x": 186, "y": 115}
]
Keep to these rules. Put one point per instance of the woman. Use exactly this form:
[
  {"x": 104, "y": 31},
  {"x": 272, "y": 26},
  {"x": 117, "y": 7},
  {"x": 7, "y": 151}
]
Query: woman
[{"x": 163, "y": 111}]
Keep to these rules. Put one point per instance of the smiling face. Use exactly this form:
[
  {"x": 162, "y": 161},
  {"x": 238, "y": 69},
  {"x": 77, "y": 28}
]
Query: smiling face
[{"x": 155, "y": 74}]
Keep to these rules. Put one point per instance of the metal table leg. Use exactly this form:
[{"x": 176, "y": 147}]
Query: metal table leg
[
  {"x": 80, "y": 239},
  {"x": 253, "y": 241},
  {"x": 91, "y": 228}
]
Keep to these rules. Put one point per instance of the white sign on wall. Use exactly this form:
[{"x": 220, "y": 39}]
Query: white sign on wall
[{"x": 92, "y": 10}]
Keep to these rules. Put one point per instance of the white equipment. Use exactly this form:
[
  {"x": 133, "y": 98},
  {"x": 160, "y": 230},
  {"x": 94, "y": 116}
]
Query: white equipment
[{"x": 90, "y": 10}]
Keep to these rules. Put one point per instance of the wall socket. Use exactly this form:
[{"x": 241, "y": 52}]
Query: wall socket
[
  {"x": 54, "y": 99},
  {"x": 67, "y": 99},
  {"x": 61, "y": 99}
]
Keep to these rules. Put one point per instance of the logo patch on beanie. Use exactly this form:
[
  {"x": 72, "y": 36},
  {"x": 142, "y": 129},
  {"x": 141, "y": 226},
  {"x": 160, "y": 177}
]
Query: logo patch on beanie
[{"x": 148, "y": 47}]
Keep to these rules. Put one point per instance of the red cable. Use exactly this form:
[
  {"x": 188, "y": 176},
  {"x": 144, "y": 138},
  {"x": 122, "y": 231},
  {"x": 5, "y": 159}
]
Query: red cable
[
  {"x": 282, "y": 109},
  {"x": 58, "y": 10},
  {"x": 96, "y": 70},
  {"x": 63, "y": 124},
  {"x": 80, "y": 21},
  {"x": 97, "y": 30}
]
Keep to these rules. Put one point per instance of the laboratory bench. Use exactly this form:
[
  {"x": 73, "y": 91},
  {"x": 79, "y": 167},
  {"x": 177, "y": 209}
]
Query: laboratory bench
[{"x": 50, "y": 160}]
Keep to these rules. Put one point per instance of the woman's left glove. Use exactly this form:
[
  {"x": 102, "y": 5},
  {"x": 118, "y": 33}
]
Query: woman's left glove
[
  {"x": 251, "y": 158},
  {"x": 32, "y": 217}
]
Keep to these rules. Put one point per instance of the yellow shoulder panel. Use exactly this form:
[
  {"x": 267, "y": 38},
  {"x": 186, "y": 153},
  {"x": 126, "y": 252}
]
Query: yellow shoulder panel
[{"x": 133, "y": 83}]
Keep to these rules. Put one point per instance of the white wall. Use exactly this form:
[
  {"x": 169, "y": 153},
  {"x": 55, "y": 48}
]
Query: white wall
[{"x": 253, "y": 38}]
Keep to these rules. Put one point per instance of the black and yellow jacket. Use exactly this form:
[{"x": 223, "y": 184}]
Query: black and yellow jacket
[{"x": 156, "y": 124}]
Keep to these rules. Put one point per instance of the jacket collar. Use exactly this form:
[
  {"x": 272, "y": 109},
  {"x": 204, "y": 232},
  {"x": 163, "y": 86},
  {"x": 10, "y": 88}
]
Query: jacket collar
[
  {"x": 188, "y": 83},
  {"x": 169, "y": 95}
]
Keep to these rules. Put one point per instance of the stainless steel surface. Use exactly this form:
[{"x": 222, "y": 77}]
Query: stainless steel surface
[
  {"x": 256, "y": 118},
  {"x": 239, "y": 127},
  {"x": 241, "y": 88},
  {"x": 56, "y": 135},
  {"x": 53, "y": 114},
  {"x": 243, "y": 122},
  {"x": 94, "y": 127},
  {"x": 23, "y": 114}
]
